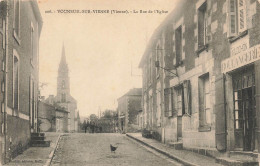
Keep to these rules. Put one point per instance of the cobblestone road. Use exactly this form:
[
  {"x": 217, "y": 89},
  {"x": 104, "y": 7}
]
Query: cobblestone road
[{"x": 94, "y": 149}]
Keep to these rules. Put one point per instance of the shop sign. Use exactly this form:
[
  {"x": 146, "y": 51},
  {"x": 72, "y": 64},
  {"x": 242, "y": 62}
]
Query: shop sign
[
  {"x": 240, "y": 59},
  {"x": 239, "y": 46}
]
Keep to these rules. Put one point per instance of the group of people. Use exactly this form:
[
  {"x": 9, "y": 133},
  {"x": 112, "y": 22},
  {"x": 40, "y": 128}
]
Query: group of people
[{"x": 91, "y": 127}]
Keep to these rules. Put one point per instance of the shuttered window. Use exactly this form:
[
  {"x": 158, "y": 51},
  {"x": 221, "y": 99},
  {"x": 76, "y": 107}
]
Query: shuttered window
[
  {"x": 187, "y": 96},
  {"x": 205, "y": 108},
  {"x": 179, "y": 102},
  {"x": 171, "y": 105},
  {"x": 202, "y": 25},
  {"x": 241, "y": 15},
  {"x": 237, "y": 17},
  {"x": 158, "y": 54},
  {"x": 178, "y": 44},
  {"x": 32, "y": 42},
  {"x": 167, "y": 93},
  {"x": 168, "y": 102}
]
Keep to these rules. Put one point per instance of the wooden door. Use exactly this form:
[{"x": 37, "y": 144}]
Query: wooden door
[{"x": 244, "y": 110}]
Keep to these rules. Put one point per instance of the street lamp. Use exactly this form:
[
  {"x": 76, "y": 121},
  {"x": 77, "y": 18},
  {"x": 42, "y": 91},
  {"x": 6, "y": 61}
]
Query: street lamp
[{"x": 157, "y": 64}]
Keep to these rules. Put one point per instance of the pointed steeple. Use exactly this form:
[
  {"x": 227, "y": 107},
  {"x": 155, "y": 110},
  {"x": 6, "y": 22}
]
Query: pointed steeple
[
  {"x": 63, "y": 67},
  {"x": 63, "y": 82},
  {"x": 63, "y": 57}
]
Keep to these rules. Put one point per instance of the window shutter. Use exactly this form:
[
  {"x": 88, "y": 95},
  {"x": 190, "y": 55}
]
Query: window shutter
[
  {"x": 187, "y": 96},
  {"x": 170, "y": 102},
  {"x": 205, "y": 28},
  {"x": 232, "y": 18},
  {"x": 241, "y": 15},
  {"x": 166, "y": 102}
]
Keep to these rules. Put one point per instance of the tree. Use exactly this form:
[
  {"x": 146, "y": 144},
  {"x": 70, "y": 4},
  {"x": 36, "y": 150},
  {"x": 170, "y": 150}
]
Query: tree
[{"x": 93, "y": 118}]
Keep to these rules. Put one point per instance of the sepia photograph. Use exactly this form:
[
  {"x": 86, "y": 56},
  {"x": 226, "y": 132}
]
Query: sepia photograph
[{"x": 129, "y": 82}]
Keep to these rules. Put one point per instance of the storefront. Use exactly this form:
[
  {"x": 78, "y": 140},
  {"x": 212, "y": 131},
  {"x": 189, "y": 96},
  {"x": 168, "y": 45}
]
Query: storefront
[
  {"x": 241, "y": 88},
  {"x": 243, "y": 81}
]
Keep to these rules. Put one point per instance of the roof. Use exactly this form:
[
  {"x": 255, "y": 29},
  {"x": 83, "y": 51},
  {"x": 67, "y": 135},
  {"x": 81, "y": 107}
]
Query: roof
[
  {"x": 61, "y": 110},
  {"x": 170, "y": 19},
  {"x": 133, "y": 92}
]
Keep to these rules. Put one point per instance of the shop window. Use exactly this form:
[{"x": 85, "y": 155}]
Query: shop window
[
  {"x": 178, "y": 44},
  {"x": 205, "y": 108},
  {"x": 202, "y": 25},
  {"x": 237, "y": 17}
]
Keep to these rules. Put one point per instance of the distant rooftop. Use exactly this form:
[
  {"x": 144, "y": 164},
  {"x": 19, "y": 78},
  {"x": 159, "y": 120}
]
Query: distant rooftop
[{"x": 133, "y": 92}]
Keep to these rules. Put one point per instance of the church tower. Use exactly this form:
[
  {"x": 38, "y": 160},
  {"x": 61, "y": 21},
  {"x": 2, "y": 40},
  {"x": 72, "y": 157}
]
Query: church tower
[{"x": 63, "y": 82}]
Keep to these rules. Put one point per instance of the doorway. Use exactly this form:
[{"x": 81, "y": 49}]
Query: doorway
[
  {"x": 179, "y": 128},
  {"x": 244, "y": 109}
]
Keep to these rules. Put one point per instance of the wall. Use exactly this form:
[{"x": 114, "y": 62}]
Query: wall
[
  {"x": 134, "y": 105},
  {"x": 122, "y": 112},
  {"x": 2, "y": 55},
  {"x": 63, "y": 119},
  {"x": 46, "y": 117},
  {"x": 18, "y": 127}
]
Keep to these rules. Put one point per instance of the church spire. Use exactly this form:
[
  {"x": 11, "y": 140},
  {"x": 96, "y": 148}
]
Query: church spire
[
  {"x": 63, "y": 84},
  {"x": 63, "y": 57},
  {"x": 63, "y": 64}
]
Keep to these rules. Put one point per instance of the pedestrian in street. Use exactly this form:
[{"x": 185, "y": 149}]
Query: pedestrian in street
[
  {"x": 93, "y": 128},
  {"x": 85, "y": 127}
]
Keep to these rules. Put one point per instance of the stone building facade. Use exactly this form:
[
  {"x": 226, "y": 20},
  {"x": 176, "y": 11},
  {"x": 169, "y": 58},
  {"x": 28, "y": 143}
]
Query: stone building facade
[
  {"x": 201, "y": 76},
  {"x": 51, "y": 118},
  {"x": 20, "y": 28},
  {"x": 63, "y": 98},
  {"x": 128, "y": 108}
]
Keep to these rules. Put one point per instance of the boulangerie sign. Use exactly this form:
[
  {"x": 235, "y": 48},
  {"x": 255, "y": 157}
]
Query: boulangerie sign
[
  {"x": 245, "y": 57},
  {"x": 238, "y": 47}
]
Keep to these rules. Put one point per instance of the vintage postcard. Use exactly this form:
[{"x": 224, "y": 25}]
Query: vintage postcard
[{"x": 130, "y": 82}]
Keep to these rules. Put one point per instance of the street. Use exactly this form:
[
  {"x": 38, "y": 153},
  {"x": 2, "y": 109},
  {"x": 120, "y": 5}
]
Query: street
[{"x": 94, "y": 149}]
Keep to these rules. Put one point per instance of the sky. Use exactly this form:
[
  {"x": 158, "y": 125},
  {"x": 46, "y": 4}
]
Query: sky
[{"x": 100, "y": 48}]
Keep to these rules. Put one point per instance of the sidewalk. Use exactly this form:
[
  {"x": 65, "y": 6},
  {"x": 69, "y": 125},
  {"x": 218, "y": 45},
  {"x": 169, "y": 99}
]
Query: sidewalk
[
  {"x": 37, "y": 156},
  {"x": 183, "y": 156}
]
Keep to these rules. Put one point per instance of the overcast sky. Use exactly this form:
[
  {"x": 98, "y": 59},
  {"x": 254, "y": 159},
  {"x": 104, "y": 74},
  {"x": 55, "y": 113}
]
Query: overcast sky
[{"x": 99, "y": 47}]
